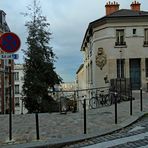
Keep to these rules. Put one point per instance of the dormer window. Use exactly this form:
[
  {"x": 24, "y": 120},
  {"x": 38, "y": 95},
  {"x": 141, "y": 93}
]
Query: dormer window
[{"x": 120, "y": 37}]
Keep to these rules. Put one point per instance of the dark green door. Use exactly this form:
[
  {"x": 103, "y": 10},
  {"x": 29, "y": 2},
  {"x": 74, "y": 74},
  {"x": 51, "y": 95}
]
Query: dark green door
[{"x": 135, "y": 73}]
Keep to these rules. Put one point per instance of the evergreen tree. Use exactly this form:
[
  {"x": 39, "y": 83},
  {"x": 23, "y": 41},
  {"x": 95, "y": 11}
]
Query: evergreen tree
[{"x": 39, "y": 70}]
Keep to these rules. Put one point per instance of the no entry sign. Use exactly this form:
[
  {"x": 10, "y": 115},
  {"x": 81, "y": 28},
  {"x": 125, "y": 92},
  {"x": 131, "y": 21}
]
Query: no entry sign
[{"x": 10, "y": 42}]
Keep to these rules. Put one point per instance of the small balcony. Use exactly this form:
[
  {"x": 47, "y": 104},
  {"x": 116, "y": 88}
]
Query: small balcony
[{"x": 120, "y": 44}]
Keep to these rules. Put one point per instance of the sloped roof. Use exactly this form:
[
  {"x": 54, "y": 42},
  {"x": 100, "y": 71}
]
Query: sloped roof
[
  {"x": 118, "y": 15},
  {"x": 128, "y": 12},
  {"x": 122, "y": 13},
  {"x": 81, "y": 66}
]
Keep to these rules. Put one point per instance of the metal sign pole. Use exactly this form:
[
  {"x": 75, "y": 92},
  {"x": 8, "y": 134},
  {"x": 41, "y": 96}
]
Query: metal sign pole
[{"x": 10, "y": 106}]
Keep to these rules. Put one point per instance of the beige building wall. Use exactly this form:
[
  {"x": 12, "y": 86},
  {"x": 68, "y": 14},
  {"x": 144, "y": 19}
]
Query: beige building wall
[{"x": 105, "y": 37}]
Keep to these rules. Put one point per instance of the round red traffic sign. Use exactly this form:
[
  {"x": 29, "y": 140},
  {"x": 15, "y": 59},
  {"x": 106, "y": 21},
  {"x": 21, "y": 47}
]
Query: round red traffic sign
[{"x": 10, "y": 42}]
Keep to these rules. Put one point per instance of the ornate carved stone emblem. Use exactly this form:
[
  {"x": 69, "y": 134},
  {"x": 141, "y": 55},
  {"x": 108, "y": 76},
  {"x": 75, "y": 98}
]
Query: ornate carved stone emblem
[{"x": 101, "y": 58}]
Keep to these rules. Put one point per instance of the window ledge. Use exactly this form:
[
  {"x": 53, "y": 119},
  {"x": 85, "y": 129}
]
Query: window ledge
[
  {"x": 120, "y": 46},
  {"x": 145, "y": 45}
]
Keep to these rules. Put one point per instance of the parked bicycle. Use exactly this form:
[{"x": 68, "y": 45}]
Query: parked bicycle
[{"x": 100, "y": 100}]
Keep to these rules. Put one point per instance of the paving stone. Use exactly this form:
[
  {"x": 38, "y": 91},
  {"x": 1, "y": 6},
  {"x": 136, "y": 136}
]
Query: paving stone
[{"x": 54, "y": 126}]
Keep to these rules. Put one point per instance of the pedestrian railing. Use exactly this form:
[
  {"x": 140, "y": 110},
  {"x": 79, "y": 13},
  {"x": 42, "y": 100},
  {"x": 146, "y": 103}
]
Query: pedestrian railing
[{"x": 83, "y": 101}]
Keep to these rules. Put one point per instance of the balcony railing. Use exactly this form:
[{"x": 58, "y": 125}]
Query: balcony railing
[{"x": 120, "y": 43}]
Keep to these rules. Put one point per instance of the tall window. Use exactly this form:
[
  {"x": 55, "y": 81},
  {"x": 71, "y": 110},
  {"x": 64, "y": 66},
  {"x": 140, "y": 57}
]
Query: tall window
[
  {"x": 120, "y": 68},
  {"x": 146, "y": 67},
  {"x": 120, "y": 37},
  {"x": 91, "y": 72},
  {"x": 146, "y": 36},
  {"x": 88, "y": 74},
  {"x": 16, "y": 89},
  {"x": 16, "y": 76}
]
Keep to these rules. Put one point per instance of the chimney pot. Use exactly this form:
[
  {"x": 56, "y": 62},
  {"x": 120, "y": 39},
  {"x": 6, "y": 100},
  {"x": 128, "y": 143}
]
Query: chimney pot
[
  {"x": 135, "y": 6},
  {"x": 111, "y": 7}
]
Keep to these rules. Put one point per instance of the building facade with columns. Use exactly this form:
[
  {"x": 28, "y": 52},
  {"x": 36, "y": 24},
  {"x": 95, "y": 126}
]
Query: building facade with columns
[{"x": 116, "y": 46}]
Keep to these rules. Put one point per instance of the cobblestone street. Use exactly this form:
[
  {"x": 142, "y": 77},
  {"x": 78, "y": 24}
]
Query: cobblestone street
[
  {"x": 55, "y": 127},
  {"x": 133, "y": 136}
]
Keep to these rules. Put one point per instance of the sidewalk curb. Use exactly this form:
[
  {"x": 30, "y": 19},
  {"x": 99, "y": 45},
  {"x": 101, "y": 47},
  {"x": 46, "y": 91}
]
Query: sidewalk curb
[{"x": 80, "y": 138}]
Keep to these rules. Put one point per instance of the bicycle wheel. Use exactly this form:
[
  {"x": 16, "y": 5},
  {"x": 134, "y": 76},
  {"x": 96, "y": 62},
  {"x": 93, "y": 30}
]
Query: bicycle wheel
[{"x": 93, "y": 102}]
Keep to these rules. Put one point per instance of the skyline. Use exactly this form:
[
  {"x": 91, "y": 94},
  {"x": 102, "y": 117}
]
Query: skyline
[{"x": 68, "y": 23}]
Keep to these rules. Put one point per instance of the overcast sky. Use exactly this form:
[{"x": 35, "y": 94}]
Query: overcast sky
[{"x": 68, "y": 20}]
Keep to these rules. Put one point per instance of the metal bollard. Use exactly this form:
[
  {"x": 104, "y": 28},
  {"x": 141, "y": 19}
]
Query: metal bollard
[
  {"x": 131, "y": 102},
  {"x": 37, "y": 126},
  {"x": 115, "y": 94},
  {"x": 84, "y": 106},
  {"x": 141, "y": 101},
  {"x": 131, "y": 105}
]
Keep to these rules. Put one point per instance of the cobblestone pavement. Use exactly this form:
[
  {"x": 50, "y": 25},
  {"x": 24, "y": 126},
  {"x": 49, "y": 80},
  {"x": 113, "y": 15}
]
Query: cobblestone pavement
[
  {"x": 55, "y": 127},
  {"x": 129, "y": 137}
]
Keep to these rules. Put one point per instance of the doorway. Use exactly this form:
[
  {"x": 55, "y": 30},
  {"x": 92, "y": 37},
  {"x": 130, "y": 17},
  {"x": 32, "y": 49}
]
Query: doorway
[{"x": 135, "y": 73}]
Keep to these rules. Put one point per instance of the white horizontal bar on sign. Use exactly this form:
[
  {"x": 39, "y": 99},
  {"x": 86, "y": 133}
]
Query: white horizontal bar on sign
[{"x": 9, "y": 56}]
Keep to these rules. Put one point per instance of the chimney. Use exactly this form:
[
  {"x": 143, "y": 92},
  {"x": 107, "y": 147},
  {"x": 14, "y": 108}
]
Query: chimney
[
  {"x": 111, "y": 7},
  {"x": 135, "y": 6}
]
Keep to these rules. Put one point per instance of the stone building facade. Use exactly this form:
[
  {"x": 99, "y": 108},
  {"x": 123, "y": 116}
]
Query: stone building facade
[
  {"x": 116, "y": 46},
  {"x": 18, "y": 93},
  {"x": 4, "y": 75}
]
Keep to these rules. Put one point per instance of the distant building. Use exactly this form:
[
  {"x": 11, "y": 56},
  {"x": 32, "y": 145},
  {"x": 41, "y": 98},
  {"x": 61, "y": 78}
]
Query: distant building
[
  {"x": 116, "y": 46},
  {"x": 4, "y": 75},
  {"x": 81, "y": 78},
  {"x": 68, "y": 86},
  {"x": 18, "y": 93}
]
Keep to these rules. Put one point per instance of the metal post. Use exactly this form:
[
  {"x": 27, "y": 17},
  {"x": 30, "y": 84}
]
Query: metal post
[
  {"x": 22, "y": 107},
  {"x": 74, "y": 103},
  {"x": 141, "y": 101},
  {"x": 131, "y": 103},
  {"x": 4, "y": 87},
  {"x": 131, "y": 106},
  {"x": 115, "y": 107},
  {"x": 10, "y": 106},
  {"x": 84, "y": 106},
  {"x": 37, "y": 126}
]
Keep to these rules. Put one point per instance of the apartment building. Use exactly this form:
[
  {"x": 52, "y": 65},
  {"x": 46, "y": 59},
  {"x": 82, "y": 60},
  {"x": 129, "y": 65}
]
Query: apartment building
[
  {"x": 18, "y": 93},
  {"x": 4, "y": 74},
  {"x": 116, "y": 46}
]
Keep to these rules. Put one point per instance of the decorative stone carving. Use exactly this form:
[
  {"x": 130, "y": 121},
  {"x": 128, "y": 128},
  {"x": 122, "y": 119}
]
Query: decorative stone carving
[{"x": 101, "y": 58}]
